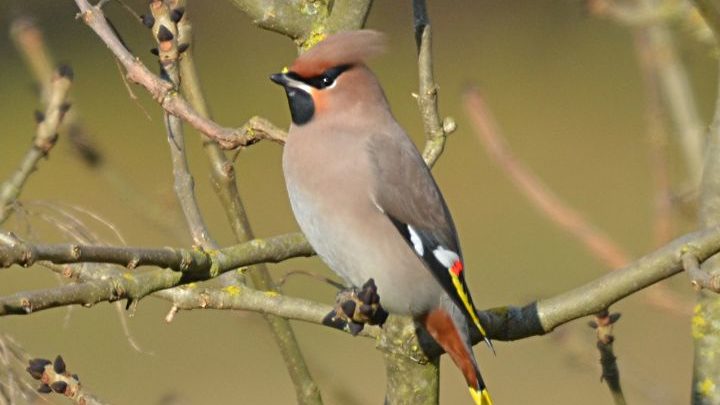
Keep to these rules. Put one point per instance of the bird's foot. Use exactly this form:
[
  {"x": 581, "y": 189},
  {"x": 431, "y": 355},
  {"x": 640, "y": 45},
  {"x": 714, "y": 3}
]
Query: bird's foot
[{"x": 356, "y": 307}]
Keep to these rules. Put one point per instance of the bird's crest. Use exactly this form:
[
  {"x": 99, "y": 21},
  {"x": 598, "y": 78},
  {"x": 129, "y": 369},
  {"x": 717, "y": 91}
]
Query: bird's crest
[{"x": 343, "y": 48}]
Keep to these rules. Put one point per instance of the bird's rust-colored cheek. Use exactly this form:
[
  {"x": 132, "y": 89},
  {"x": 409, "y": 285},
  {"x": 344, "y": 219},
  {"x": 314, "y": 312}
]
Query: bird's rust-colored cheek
[
  {"x": 320, "y": 101},
  {"x": 441, "y": 327}
]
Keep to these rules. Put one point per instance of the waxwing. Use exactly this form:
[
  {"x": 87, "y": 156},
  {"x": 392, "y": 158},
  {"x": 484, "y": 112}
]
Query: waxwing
[{"x": 367, "y": 202}]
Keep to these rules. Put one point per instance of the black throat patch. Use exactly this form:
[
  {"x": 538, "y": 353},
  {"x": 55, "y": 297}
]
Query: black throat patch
[{"x": 302, "y": 107}]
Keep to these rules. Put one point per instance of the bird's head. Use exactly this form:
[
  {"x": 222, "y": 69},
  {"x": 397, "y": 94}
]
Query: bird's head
[{"x": 332, "y": 75}]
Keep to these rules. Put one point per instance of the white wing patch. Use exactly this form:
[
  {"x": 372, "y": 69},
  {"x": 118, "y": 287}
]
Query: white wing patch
[
  {"x": 446, "y": 257},
  {"x": 416, "y": 241}
]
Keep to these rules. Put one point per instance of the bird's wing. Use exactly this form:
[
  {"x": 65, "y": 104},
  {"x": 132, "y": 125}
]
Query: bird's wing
[{"x": 407, "y": 194}]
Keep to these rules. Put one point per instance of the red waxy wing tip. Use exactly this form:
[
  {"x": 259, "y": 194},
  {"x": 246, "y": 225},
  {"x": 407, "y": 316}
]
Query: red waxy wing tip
[{"x": 457, "y": 268}]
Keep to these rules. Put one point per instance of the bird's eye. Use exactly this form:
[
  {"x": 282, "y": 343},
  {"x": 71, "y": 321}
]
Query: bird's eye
[{"x": 327, "y": 81}]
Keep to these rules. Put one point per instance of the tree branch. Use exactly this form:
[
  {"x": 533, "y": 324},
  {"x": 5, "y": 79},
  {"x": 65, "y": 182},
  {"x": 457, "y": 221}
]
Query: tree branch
[
  {"x": 410, "y": 374},
  {"x": 307, "y": 23},
  {"x": 436, "y": 130},
  {"x": 243, "y": 298},
  {"x": 193, "y": 264},
  {"x": 510, "y": 323},
  {"x": 699, "y": 278},
  {"x": 166, "y": 95},
  {"x": 279, "y": 16},
  {"x": 648, "y": 270}
]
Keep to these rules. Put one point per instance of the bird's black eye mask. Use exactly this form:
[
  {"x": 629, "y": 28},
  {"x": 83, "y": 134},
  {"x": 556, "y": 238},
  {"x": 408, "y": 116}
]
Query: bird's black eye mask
[
  {"x": 326, "y": 79},
  {"x": 302, "y": 106}
]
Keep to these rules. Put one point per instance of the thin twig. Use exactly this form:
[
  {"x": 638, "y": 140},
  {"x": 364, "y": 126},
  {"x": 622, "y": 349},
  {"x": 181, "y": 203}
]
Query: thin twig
[
  {"x": 82, "y": 233},
  {"x": 436, "y": 129},
  {"x": 595, "y": 241},
  {"x": 634, "y": 15},
  {"x": 601, "y": 246},
  {"x": 603, "y": 325},
  {"x": 165, "y": 33},
  {"x": 45, "y": 138},
  {"x": 580, "y": 360},
  {"x": 165, "y": 94},
  {"x": 29, "y": 41},
  {"x": 661, "y": 65},
  {"x": 130, "y": 10},
  {"x": 312, "y": 275},
  {"x": 222, "y": 171},
  {"x": 676, "y": 91},
  {"x": 698, "y": 278}
]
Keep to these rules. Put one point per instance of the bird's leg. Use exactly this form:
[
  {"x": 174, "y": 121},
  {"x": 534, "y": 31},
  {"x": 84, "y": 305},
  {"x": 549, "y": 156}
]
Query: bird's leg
[{"x": 356, "y": 307}]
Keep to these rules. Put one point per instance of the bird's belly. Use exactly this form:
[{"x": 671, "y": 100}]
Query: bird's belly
[{"x": 360, "y": 244}]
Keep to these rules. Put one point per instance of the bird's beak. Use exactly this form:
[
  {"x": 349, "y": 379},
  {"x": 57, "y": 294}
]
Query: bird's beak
[{"x": 280, "y": 78}]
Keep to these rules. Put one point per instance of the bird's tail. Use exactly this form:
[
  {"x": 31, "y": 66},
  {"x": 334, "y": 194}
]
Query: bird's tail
[
  {"x": 449, "y": 327},
  {"x": 479, "y": 392}
]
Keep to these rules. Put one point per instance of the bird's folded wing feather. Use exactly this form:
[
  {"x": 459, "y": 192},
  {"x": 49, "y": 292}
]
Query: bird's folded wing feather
[{"x": 407, "y": 194}]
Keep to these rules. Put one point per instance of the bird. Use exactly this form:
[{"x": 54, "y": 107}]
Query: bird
[{"x": 367, "y": 202}]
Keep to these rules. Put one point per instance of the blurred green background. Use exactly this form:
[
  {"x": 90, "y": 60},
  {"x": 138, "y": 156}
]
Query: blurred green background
[{"x": 563, "y": 85}]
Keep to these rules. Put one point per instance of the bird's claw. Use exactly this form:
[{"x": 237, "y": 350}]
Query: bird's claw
[{"x": 356, "y": 307}]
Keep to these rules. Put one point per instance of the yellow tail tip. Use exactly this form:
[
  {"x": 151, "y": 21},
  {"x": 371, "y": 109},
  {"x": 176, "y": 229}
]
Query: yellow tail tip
[{"x": 481, "y": 397}]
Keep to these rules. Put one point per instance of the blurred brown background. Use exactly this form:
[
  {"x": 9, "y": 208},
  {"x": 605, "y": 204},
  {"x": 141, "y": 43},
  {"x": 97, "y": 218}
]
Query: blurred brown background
[{"x": 563, "y": 85}]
